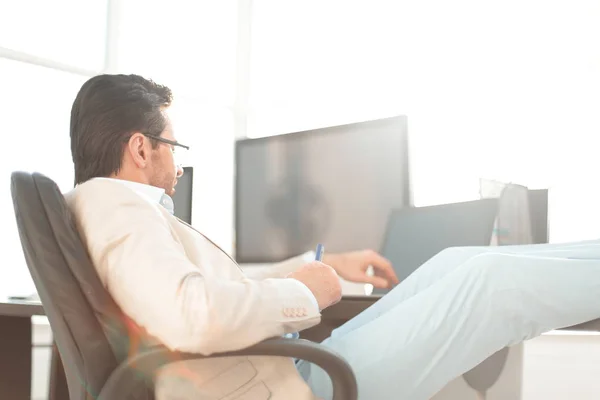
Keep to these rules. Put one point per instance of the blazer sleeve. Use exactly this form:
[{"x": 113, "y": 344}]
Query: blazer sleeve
[
  {"x": 146, "y": 271},
  {"x": 279, "y": 270}
]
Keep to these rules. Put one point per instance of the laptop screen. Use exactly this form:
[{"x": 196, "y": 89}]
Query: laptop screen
[{"x": 415, "y": 234}]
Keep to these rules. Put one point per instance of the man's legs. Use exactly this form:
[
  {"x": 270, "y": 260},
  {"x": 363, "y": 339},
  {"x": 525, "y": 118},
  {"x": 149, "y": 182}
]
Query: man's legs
[
  {"x": 490, "y": 301},
  {"x": 447, "y": 261}
]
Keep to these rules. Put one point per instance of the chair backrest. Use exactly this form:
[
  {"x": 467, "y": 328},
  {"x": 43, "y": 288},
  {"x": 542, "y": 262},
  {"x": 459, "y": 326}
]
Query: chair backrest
[{"x": 91, "y": 333}]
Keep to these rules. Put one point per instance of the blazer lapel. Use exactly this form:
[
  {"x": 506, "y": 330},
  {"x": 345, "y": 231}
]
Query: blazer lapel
[{"x": 211, "y": 242}]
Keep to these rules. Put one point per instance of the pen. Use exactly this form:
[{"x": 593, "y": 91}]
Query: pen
[{"x": 319, "y": 252}]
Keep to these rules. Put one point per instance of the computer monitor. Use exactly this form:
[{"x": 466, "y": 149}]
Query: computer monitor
[
  {"x": 334, "y": 185},
  {"x": 183, "y": 195}
]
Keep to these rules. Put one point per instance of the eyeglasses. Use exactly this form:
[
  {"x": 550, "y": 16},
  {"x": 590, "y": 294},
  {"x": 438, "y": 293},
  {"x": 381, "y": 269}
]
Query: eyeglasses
[{"x": 167, "y": 141}]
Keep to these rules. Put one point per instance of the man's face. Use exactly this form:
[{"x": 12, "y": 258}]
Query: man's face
[{"x": 164, "y": 170}]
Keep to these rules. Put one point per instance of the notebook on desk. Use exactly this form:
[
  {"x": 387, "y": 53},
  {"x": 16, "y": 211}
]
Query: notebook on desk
[{"x": 415, "y": 234}]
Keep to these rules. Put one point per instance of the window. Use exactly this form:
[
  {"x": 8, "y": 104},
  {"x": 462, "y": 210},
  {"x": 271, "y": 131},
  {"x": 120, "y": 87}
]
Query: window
[
  {"x": 190, "y": 47},
  {"x": 35, "y": 137},
  {"x": 71, "y": 32}
]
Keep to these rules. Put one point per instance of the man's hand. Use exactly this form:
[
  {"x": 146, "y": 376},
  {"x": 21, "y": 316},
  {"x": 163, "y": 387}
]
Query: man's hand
[
  {"x": 353, "y": 267},
  {"x": 322, "y": 281}
]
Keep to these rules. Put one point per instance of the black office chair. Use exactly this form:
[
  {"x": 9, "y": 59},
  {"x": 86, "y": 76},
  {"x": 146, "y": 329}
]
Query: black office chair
[{"x": 104, "y": 353}]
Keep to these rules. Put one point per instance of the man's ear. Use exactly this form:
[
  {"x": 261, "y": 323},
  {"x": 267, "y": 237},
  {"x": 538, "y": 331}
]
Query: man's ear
[{"x": 138, "y": 150}]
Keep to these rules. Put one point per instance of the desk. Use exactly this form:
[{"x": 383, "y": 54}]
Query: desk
[
  {"x": 16, "y": 343},
  {"x": 16, "y": 352},
  {"x": 337, "y": 315}
]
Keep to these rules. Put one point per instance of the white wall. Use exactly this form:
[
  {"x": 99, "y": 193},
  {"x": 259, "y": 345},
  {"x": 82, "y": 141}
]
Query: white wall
[{"x": 506, "y": 90}]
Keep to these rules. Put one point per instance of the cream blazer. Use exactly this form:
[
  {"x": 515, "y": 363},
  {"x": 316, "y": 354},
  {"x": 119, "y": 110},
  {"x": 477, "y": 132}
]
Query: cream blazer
[{"x": 191, "y": 296}]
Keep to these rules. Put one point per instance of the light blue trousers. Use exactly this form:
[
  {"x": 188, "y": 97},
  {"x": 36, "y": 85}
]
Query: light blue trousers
[{"x": 457, "y": 309}]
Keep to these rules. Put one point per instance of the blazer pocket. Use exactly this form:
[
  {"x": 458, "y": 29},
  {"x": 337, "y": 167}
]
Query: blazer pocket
[
  {"x": 260, "y": 391},
  {"x": 229, "y": 380}
]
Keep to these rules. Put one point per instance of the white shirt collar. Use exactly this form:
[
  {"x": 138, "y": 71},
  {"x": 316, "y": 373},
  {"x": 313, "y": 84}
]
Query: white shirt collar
[{"x": 153, "y": 193}]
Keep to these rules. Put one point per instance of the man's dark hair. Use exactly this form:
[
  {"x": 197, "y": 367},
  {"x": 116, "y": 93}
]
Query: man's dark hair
[{"x": 107, "y": 110}]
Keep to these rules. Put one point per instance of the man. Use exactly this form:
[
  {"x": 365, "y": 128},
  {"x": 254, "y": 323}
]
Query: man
[{"x": 456, "y": 310}]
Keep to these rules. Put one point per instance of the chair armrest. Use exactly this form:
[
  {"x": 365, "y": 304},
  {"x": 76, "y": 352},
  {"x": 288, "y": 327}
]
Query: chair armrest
[{"x": 138, "y": 371}]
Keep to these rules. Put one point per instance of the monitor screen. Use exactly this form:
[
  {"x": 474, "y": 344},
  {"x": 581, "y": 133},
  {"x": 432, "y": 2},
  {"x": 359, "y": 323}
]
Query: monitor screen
[
  {"x": 334, "y": 186},
  {"x": 183, "y": 195}
]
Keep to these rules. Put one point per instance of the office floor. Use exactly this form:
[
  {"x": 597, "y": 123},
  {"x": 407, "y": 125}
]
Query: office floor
[{"x": 557, "y": 366}]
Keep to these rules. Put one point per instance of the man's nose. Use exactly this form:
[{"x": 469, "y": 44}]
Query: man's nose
[{"x": 179, "y": 171}]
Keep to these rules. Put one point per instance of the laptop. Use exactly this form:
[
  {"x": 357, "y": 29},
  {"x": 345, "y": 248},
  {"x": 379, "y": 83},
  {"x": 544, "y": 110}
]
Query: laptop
[{"x": 415, "y": 234}]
